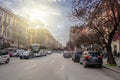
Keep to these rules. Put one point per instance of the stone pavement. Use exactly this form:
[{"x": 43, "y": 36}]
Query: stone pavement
[
  {"x": 113, "y": 71},
  {"x": 112, "y": 68}
]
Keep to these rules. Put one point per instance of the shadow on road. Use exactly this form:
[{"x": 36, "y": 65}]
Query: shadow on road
[
  {"x": 2, "y": 64},
  {"x": 93, "y": 67},
  {"x": 88, "y": 66}
]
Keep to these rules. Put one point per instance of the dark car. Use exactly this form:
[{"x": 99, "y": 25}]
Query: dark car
[
  {"x": 76, "y": 56},
  {"x": 66, "y": 54},
  {"x": 26, "y": 55},
  {"x": 91, "y": 58}
]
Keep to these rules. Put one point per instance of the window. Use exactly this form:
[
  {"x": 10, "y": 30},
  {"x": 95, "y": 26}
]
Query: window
[
  {"x": 94, "y": 53},
  {"x": 3, "y": 52}
]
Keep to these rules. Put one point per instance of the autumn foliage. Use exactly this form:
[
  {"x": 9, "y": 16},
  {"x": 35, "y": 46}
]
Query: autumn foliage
[{"x": 102, "y": 17}]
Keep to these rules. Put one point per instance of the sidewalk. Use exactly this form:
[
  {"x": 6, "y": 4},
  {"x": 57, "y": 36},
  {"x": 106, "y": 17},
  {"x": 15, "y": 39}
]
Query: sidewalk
[{"x": 112, "y": 68}]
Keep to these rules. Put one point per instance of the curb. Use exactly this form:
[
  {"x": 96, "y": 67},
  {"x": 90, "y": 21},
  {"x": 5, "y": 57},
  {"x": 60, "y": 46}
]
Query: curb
[
  {"x": 111, "y": 72},
  {"x": 111, "y": 69}
]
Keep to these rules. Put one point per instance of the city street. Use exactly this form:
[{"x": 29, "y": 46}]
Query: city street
[
  {"x": 51, "y": 67},
  {"x": 44, "y": 39}
]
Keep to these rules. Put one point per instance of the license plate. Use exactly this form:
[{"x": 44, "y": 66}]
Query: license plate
[{"x": 94, "y": 58}]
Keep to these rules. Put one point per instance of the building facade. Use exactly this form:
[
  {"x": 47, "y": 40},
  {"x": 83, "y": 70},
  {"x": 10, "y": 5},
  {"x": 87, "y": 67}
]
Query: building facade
[
  {"x": 13, "y": 30},
  {"x": 43, "y": 37}
]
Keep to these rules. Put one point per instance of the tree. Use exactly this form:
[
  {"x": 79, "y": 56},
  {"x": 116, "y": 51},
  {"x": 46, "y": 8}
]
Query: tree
[
  {"x": 103, "y": 17},
  {"x": 70, "y": 45},
  {"x": 88, "y": 39}
]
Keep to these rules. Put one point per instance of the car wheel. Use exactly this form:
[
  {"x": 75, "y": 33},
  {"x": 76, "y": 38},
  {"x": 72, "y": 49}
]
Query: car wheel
[
  {"x": 74, "y": 60},
  {"x": 84, "y": 64},
  {"x": 80, "y": 62},
  {"x": 7, "y": 61},
  {"x": 100, "y": 66},
  {"x": 21, "y": 58}
]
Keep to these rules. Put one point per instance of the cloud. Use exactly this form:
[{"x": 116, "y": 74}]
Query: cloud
[
  {"x": 50, "y": 13},
  {"x": 56, "y": 0},
  {"x": 7, "y": 3}
]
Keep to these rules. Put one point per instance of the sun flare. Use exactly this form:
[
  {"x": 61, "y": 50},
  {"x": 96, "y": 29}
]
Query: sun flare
[{"x": 36, "y": 14}]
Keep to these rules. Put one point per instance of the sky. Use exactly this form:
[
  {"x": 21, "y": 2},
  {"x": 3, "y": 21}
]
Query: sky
[{"x": 50, "y": 14}]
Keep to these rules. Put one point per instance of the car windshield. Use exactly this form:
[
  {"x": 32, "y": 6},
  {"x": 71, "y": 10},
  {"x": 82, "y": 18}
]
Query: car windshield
[
  {"x": 94, "y": 53},
  {"x": 78, "y": 53},
  {"x": 1, "y": 52}
]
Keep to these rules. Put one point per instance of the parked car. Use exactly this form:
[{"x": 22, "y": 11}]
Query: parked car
[
  {"x": 43, "y": 52},
  {"x": 66, "y": 54},
  {"x": 49, "y": 52},
  {"x": 19, "y": 52},
  {"x": 91, "y": 58},
  {"x": 26, "y": 55},
  {"x": 76, "y": 56},
  {"x": 4, "y": 56},
  {"x": 14, "y": 54},
  {"x": 10, "y": 51},
  {"x": 37, "y": 54}
]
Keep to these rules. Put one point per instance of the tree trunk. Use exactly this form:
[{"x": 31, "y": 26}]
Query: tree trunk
[{"x": 110, "y": 59}]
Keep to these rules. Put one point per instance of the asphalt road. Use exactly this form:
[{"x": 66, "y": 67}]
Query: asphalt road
[{"x": 51, "y": 67}]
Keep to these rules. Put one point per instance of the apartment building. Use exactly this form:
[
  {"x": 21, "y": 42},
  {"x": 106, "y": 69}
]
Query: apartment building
[{"x": 13, "y": 29}]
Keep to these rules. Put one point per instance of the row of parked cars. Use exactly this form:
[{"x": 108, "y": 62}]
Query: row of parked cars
[
  {"x": 22, "y": 54},
  {"x": 13, "y": 52},
  {"x": 85, "y": 57},
  {"x": 30, "y": 54},
  {"x": 9, "y": 52}
]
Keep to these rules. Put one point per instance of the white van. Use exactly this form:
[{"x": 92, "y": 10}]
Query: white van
[
  {"x": 4, "y": 57},
  {"x": 37, "y": 54},
  {"x": 43, "y": 52}
]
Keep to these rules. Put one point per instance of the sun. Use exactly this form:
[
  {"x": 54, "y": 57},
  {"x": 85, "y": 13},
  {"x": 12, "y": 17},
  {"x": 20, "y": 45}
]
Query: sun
[{"x": 36, "y": 14}]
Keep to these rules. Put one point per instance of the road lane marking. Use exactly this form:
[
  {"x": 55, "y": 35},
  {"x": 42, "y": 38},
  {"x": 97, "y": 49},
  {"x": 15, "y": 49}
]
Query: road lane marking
[{"x": 30, "y": 67}]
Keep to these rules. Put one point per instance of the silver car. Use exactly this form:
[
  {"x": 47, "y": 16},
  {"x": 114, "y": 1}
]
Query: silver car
[
  {"x": 4, "y": 57},
  {"x": 66, "y": 54},
  {"x": 26, "y": 55}
]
